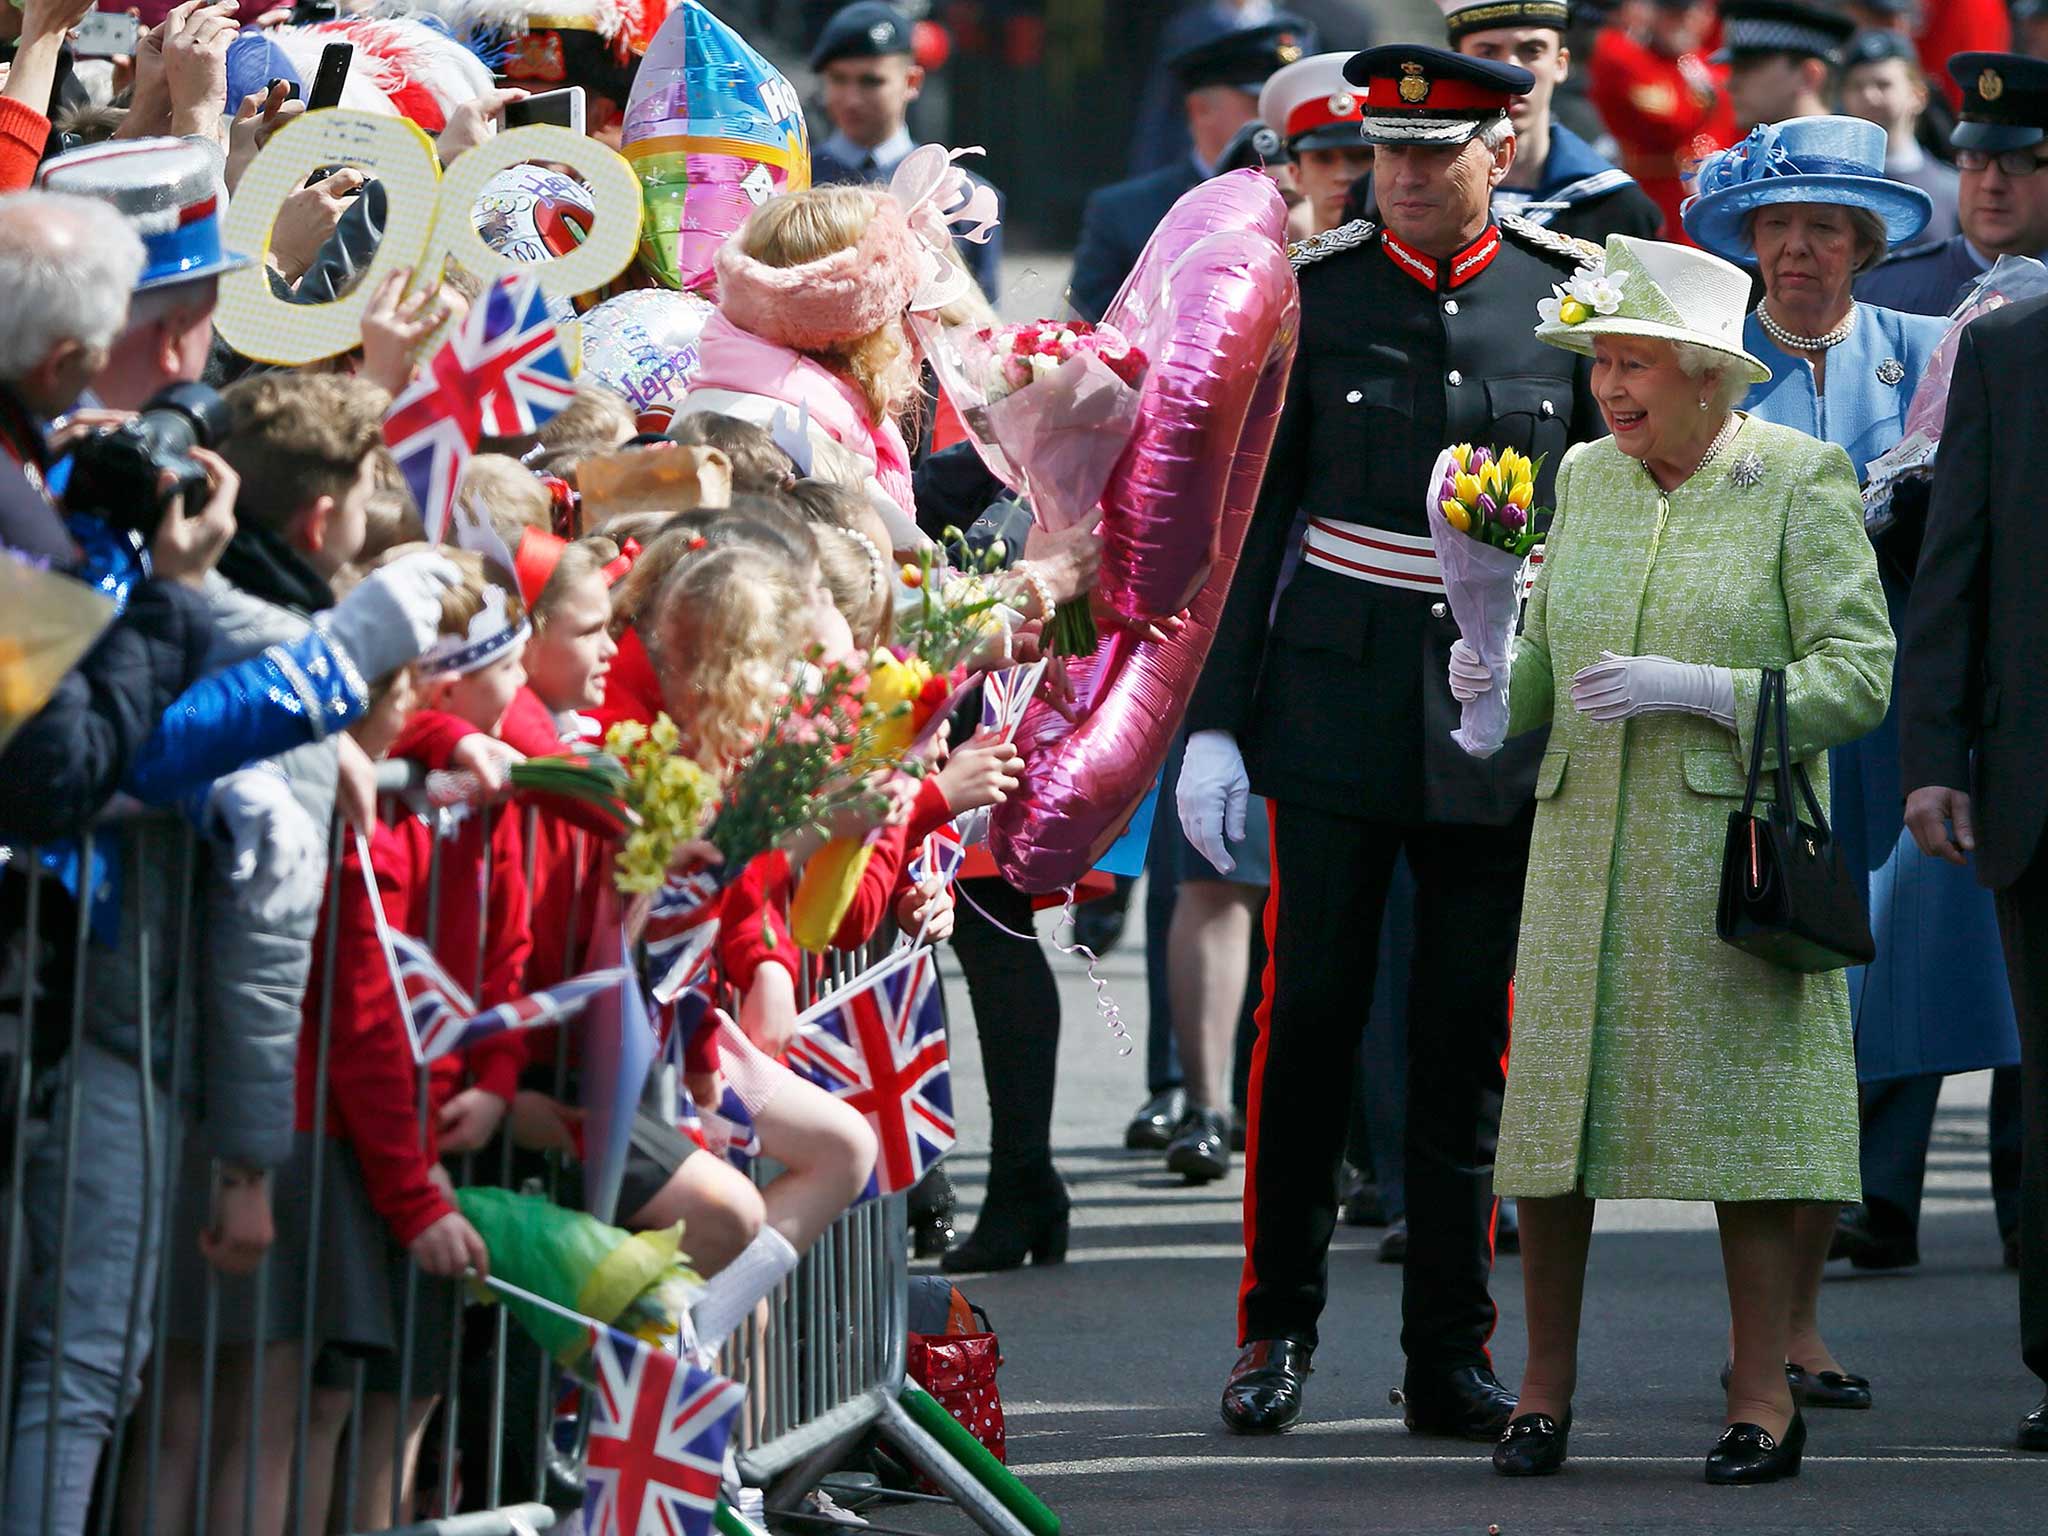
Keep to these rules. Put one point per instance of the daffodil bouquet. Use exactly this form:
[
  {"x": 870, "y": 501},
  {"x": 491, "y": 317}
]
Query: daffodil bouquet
[
  {"x": 1490, "y": 496},
  {"x": 666, "y": 796},
  {"x": 948, "y": 613},
  {"x": 1483, "y": 524}
]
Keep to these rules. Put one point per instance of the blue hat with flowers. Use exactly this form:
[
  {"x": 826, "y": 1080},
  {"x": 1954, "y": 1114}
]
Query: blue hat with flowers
[
  {"x": 1836, "y": 160},
  {"x": 169, "y": 191}
]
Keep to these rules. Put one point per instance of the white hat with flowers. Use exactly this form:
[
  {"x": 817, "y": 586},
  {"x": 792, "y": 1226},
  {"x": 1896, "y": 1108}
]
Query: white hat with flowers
[{"x": 1650, "y": 288}]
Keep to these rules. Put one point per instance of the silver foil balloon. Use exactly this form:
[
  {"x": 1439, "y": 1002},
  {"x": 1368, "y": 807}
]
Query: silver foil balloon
[
  {"x": 643, "y": 344},
  {"x": 1214, "y": 304}
]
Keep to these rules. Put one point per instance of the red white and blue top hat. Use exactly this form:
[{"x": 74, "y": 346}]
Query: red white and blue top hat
[{"x": 169, "y": 192}]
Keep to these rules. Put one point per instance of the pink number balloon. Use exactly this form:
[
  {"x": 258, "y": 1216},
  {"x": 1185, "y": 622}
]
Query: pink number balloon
[{"x": 1214, "y": 303}]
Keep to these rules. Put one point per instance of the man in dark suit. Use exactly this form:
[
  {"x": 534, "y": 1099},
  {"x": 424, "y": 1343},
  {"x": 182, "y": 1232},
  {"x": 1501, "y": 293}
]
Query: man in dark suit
[
  {"x": 2004, "y": 193},
  {"x": 865, "y": 61},
  {"x": 1327, "y": 693},
  {"x": 1973, "y": 718},
  {"x": 1219, "y": 81}
]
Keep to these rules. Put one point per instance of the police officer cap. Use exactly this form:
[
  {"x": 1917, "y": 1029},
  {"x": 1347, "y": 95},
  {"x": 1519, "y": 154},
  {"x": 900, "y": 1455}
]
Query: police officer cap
[
  {"x": 1877, "y": 47},
  {"x": 1750, "y": 28},
  {"x": 1243, "y": 57},
  {"x": 1420, "y": 95},
  {"x": 867, "y": 29},
  {"x": 2005, "y": 101}
]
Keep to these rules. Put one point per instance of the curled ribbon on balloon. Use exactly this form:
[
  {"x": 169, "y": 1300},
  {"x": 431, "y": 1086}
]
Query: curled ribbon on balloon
[{"x": 1214, "y": 304}]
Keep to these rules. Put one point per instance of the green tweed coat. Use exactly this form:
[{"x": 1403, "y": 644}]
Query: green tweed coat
[{"x": 1650, "y": 1059}]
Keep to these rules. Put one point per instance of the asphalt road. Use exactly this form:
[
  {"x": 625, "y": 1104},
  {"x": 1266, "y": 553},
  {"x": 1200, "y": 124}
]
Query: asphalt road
[{"x": 1114, "y": 1360}]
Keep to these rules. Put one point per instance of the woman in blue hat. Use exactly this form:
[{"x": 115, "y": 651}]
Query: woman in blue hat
[{"x": 1806, "y": 203}]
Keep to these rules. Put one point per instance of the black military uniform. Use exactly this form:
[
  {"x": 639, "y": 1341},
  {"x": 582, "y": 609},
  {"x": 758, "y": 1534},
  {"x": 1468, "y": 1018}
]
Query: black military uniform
[{"x": 1342, "y": 709}]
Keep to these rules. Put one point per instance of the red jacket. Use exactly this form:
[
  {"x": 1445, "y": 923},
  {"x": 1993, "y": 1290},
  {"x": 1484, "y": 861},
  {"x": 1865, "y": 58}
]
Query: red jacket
[
  {"x": 1666, "y": 114},
  {"x": 482, "y": 938},
  {"x": 23, "y": 133}
]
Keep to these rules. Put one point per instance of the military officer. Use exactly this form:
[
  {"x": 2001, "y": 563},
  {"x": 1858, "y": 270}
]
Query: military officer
[
  {"x": 1316, "y": 111},
  {"x": 1559, "y": 180},
  {"x": 1413, "y": 336},
  {"x": 2002, "y": 199},
  {"x": 865, "y": 61},
  {"x": 1219, "y": 81}
]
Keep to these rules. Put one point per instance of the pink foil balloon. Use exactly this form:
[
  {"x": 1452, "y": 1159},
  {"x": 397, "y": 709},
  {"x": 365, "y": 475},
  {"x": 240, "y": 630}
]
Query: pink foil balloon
[{"x": 1215, "y": 304}]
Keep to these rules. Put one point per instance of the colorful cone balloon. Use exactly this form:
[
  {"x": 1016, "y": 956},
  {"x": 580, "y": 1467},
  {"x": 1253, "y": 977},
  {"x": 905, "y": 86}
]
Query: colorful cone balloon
[
  {"x": 643, "y": 345},
  {"x": 713, "y": 131}
]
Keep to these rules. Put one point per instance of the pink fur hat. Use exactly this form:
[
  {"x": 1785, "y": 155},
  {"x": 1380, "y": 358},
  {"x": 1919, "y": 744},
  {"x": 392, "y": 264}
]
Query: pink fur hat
[{"x": 825, "y": 303}]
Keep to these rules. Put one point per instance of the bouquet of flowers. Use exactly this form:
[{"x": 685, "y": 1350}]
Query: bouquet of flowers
[
  {"x": 638, "y": 1282},
  {"x": 1483, "y": 522},
  {"x": 1050, "y": 406},
  {"x": 640, "y": 782}
]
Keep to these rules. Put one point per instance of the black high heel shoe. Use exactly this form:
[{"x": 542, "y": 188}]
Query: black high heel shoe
[
  {"x": 1013, "y": 1227},
  {"x": 1749, "y": 1453},
  {"x": 1533, "y": 1445},
  {"x": 931, "y": 1214}
]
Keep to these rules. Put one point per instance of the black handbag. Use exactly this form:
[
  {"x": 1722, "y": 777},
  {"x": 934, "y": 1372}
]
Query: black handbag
[{"x": 1786, "y": 896}]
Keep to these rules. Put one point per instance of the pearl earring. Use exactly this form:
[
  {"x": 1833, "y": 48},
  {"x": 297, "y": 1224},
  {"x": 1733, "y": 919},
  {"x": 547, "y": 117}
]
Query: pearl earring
[{"x": 1703, "y": 405}]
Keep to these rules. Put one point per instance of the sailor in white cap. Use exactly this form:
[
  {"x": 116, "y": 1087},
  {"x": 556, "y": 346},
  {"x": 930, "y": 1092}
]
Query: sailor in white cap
[{"x": 1316, "y": 112}]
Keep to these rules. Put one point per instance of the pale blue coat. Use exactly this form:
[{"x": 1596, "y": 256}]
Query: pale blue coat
[{"x": 1935, "y": 1000}]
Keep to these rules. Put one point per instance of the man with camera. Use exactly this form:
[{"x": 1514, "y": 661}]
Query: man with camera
[{"x": 216, "y": 674}]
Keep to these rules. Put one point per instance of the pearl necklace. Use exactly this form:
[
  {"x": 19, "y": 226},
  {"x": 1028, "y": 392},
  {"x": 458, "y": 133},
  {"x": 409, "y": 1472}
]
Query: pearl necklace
[
  {"x": 1791, "y": 343},
  {"x": 1721, "y": 440}
]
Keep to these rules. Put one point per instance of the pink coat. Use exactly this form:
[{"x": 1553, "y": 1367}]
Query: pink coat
[{"x": 736, "y": 363}]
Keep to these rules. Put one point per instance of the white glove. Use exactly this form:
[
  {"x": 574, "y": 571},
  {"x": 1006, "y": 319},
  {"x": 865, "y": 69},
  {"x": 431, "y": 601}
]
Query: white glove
[
  {"x": 1214, "y": 793},
  {"x": 393, "y": 614},
  {"x": 1620, "y": 687},
  {"x": 1470, "y": 677},
  {"x": 280, "y": 857}
]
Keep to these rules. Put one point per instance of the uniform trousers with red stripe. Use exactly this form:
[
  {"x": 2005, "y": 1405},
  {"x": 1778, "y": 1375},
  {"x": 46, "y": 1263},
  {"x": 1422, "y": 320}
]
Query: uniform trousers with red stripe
[{"x": 1330, "y": 878}]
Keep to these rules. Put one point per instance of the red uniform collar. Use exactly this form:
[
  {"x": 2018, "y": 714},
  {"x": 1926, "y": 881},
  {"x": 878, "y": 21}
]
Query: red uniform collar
[{"x": 1442, "y": 275}]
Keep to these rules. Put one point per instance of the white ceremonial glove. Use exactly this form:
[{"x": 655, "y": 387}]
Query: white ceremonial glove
[
  {"x": 1470, "y": 677},
  {"x": 279, "y": 862},
  {"x": 1620, "y": 687},
  {"x": 1213, "y": 794},
  {"x": 393, "y": 614}
]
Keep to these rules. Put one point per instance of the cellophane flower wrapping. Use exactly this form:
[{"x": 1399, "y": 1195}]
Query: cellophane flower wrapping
[
  {"x": 638, "y": 1282},
  {"x": 1483, "y": 585}
]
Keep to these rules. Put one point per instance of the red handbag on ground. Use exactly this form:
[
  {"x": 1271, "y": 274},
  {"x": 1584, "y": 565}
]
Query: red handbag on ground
[{"x": 958, "y": 1367}]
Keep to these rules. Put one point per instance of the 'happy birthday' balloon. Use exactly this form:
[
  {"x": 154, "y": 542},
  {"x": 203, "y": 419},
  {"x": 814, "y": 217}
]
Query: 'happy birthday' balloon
[
  {"x": 530, "y": 213},
  {"x": 643, "y": 346},
  {"x": 713, "y": 131}
]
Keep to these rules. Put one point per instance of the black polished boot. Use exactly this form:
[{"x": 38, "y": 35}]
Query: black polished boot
[
  {"x": 1200, "y": 1152},
  {"x": 1017, "y": 1221},
  {"x": 1263, "y": 1395},
  {"x": 1152, "y": 1127},
  {"x": 930, "y": 1210},
  {"x": 1533, "y": 1445},
  {"x": 2034, "y": 1429},
  {"x": 1468, "y": 1403},
  {"x": 1749, "y": 1453}
]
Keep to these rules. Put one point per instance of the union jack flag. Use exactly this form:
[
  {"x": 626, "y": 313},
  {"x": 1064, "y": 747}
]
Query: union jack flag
[
  {"x": 727, "y": 1131},
  {"x": 443, "y": 1020},
  {"x": 658, "y": 1432},
  {"x": 941, "y": 854},
  {"x": 1004, "y": 695},
  {"x": 678, "y": 913},
  {"x": 502, "y": 373},
  {"x": 882, "y": 1048}
]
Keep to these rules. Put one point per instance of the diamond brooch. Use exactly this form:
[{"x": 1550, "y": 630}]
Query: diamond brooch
[
  {"x": 1891, "y": 371},
  {"x": 1748, "y": 470}
]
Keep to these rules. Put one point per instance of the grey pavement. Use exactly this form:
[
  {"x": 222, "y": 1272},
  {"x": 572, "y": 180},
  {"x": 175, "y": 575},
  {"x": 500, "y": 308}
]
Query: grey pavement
[{"x": 1114, "y": 1360}]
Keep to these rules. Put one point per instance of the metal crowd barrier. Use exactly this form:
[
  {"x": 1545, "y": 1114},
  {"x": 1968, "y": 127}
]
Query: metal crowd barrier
[{"x": 268, "y": 1436}]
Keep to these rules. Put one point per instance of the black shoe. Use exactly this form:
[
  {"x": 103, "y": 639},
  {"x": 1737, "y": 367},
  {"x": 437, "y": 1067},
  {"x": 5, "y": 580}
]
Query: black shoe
[
  {"x": 1394, "y": 1246},
  {"x": 1013, "y": 1226},
  {"x": 931, "y": 1234},
  {"x": 2034, "y": 1429},
  {"x": 1871, "y": 1238},
  {"x": 1533, "y": 1445},
  {"x": 1465, "y": 1404},
  {"x": 1507, "y": 1231},
  {"x": 1828, "y": 1389},
  {"x": 1749, "y": 1453},
  {"x": 1358, "y": 1199},
  {"x": 1152, "y": 1127},
  {"x": 1263, "y": 1395},
  {"x": 1201, "y": 1150}
]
